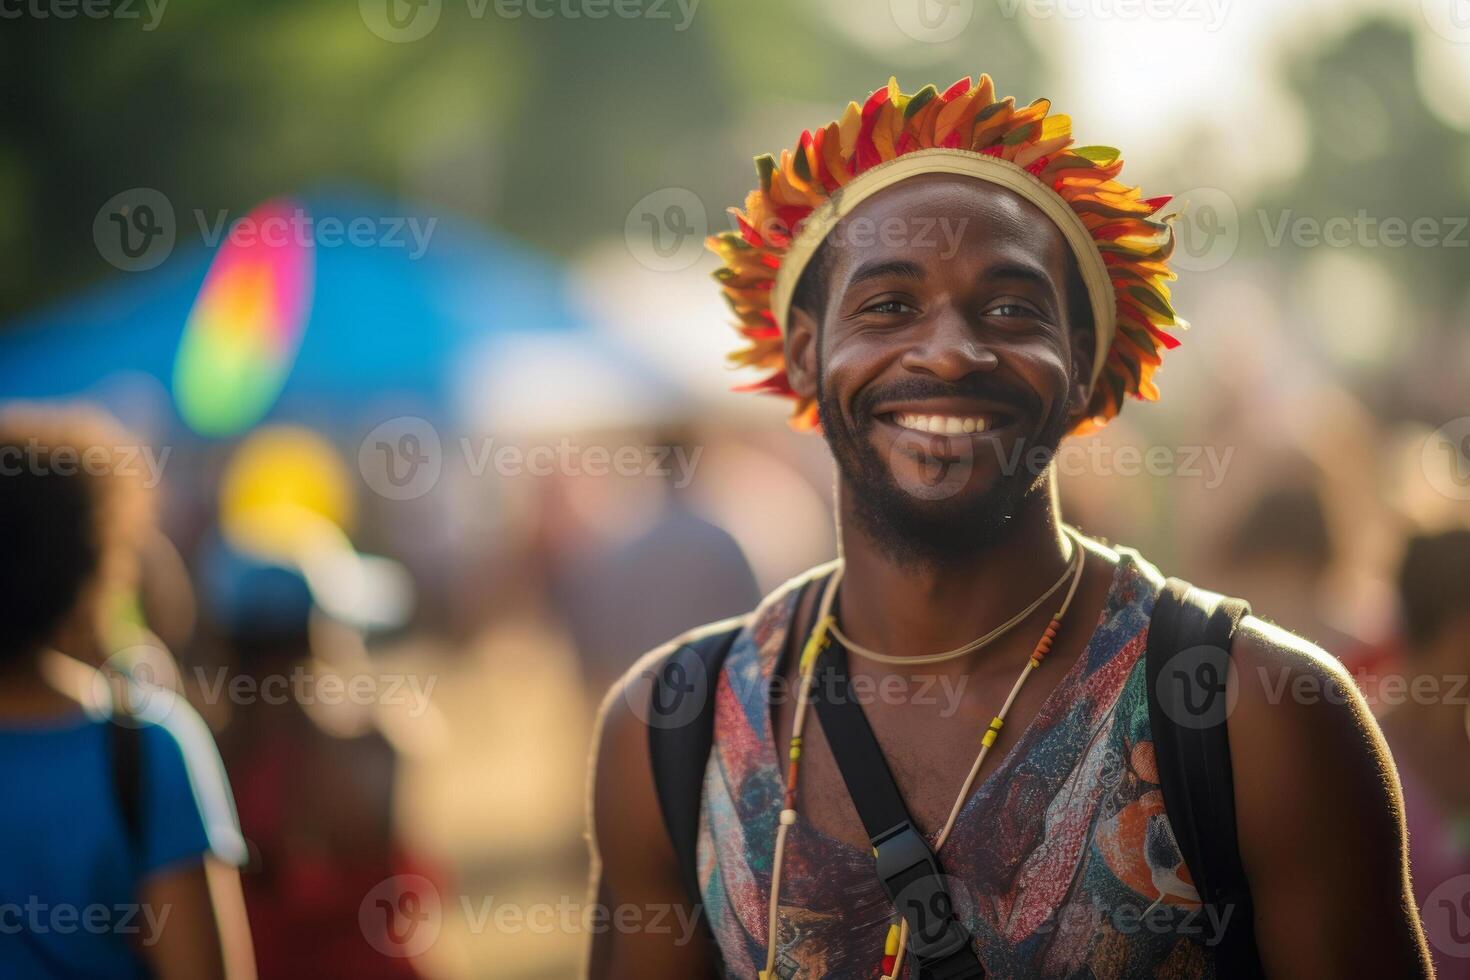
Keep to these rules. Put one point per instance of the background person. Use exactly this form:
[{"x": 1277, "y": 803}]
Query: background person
[
  {"x": 315, "y": 777},
  {"x": 1425, "y": 732},
  {"x": 136, "y": 821}
]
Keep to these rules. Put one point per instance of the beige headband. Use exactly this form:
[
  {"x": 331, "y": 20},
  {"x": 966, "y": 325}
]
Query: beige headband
[{"x": 815, "y": 229}]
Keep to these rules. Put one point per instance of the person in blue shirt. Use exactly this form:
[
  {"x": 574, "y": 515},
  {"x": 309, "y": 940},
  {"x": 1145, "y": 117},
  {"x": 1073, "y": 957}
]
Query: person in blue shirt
[{"x": 119, "y": 845}]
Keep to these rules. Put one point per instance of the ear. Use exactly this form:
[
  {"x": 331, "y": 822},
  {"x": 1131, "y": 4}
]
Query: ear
[
  {"x": 1079, "y": 392},
  {"x": 801, "y": 353}
]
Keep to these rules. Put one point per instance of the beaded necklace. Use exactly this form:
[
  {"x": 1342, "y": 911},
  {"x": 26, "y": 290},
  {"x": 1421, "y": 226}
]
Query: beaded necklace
[
  {"x": 896, "y": 941},
  {"x": 957, "y": 652}
]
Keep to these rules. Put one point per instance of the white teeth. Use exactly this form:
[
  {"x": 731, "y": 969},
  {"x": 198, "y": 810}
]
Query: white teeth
[{"x": 940, "y": 424}]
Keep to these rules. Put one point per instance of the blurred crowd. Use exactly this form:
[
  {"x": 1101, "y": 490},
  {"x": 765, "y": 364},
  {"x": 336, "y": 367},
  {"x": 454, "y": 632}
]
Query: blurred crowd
[
  {"x": 395, "y": 766},
  {"x": 311, "y": 641}
]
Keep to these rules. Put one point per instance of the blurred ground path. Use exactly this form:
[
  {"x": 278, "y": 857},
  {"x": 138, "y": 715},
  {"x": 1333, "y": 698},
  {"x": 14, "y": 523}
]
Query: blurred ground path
[{"x": 501, "y": 800}]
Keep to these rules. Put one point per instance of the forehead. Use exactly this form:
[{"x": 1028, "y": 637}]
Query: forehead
[{"x": 950, "y": 219}]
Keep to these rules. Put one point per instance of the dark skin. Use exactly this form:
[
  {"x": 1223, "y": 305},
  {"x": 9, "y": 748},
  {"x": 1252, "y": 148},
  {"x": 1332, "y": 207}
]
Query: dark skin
[
  {"x": 204, "y": 930},
  {"x": 1317, "y": 800}
]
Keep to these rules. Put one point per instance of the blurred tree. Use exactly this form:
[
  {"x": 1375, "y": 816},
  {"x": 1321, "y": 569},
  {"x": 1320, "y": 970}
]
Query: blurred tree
[
  {"x": 1374, "y": 146},
  {"x": 1376, "y": 151},
  {"x": 550, "y": 127}
]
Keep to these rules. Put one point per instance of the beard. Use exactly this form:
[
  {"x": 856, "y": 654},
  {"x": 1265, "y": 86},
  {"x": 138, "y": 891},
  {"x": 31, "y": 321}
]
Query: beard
[{"x": 938, "y": 519}]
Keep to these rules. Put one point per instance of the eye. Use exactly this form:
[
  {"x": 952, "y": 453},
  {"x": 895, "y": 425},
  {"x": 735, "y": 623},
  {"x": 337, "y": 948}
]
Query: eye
[
  {"x": 1012, "y": 309},
  {"x": 889, "y": 307}
]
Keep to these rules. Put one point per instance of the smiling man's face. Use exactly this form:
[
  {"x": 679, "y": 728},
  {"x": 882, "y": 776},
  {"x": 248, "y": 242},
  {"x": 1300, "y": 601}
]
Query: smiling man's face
[{"x": 953, "y": 353}]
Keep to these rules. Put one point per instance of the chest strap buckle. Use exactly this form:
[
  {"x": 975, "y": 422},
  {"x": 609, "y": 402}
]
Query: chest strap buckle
[{"x": 913, "y": 882}]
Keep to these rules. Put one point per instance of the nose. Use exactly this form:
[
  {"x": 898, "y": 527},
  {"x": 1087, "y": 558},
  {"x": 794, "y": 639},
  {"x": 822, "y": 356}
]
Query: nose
[{"x": 948, "y": 348}]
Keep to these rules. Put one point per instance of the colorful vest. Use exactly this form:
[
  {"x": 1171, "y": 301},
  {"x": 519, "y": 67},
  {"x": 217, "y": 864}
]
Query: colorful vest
[{"x": 1063, "y": 862}]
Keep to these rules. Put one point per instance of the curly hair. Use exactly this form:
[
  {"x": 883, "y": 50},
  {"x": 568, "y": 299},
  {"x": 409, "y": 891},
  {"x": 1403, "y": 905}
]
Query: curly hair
[{"x": 73, "y": 505}]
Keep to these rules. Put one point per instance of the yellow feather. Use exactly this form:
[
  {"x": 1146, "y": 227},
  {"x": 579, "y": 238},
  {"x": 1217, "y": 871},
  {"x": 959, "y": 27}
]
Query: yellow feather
[{"x": 852, "y": 121}]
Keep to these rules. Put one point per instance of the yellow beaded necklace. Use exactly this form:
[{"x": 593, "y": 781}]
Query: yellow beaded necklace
[{"x": 897, "y": 939}]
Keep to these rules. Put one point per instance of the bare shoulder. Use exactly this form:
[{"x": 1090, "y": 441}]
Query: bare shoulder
[
  {"x": 1319, "y": 814},
  {"x": 1302, "y": 734},
  {"x": 635, "y": 872},
  {"x": 1296, "y": 695},
  {"x": 622, "y": 795},
  {"x": 630, "y": 707}
]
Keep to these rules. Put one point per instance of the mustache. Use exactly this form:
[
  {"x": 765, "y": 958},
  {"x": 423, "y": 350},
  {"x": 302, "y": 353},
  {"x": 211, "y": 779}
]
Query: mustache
[{"x": 1021, "y": 400}]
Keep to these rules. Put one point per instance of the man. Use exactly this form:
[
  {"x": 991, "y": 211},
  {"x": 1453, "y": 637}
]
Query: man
[{"x": 946, "y": 287}]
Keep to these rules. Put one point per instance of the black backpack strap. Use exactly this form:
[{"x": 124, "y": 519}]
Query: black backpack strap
[
  {"x": 125, "y": 746},
  {"x": 681, "y": 723},
  {"x": 1188, "y": 664},
  {"x": 906, "y": 865}
]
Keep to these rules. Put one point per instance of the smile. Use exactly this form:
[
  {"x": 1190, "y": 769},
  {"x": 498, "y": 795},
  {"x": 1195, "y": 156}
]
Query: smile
[{"x": 942, "y": 424}]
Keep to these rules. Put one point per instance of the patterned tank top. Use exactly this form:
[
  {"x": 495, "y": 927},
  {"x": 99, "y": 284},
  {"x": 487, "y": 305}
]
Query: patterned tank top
[{"x": 1062, "y": 863}]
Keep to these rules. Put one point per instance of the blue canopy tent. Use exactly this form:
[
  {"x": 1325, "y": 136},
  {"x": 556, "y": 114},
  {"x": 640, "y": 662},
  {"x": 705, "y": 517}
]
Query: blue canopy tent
[{"x": 384, "y": 320}]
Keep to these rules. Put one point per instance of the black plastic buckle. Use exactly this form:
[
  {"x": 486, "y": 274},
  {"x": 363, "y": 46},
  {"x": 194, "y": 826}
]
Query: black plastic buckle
[{"x": 912, "y": 879}]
